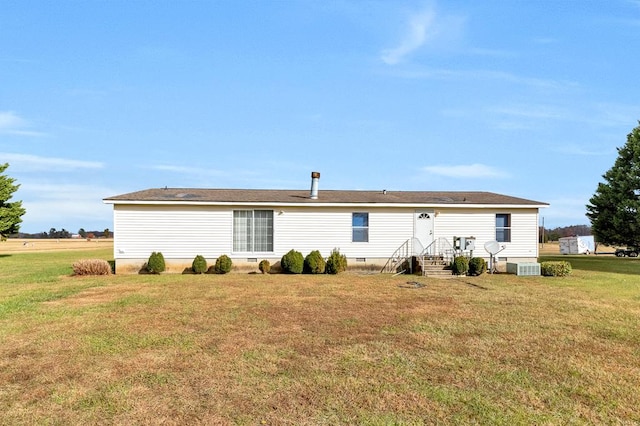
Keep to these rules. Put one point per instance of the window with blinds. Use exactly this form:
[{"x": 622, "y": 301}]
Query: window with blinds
[
  {"x": 360, "y": 227},
  {"x": 503, "y": 228},
  {"x": 253, "y": 231}
]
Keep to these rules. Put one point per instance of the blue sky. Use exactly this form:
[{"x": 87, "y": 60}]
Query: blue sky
[{"x": 525, "y": 98}]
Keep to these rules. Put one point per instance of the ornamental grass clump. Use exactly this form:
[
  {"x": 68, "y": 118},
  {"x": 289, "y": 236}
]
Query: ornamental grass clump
[
  {"x": 314, "y": 263},
  {"x": 555, "y": 269},
  {"x": 155, "y": 264},
  {"x": 264, "y": 266},
  {"x": 91, "y": 267},
  {"x": 199, "y": 265}
]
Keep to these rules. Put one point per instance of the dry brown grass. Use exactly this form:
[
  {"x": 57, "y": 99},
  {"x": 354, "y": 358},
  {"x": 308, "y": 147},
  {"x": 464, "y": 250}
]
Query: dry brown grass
[
  {"x": 23, "y": 245},
  {"x": 346, "y": 349}
]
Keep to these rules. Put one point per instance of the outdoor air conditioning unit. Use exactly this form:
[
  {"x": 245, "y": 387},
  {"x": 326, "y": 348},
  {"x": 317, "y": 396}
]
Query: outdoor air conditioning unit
[{"x": 524, "y": 268}]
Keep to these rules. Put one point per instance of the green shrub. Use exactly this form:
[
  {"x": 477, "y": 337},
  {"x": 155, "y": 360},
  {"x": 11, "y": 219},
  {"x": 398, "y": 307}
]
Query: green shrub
[
  {"x": 477, "y": 266},
  {"x": 460, "y": 265},
  {"x": 223, "y": 265},
  {"x": 199, "y": 265},
  {"x": 292, "y": 262},
  {"x": 314, "y": 263},
  {"x": 555, "y": 269},
  {"x": 264, "y": 266},
  {"x": 91, "y": 267},
  {"x": 155, "y": 264},
  {"x": 336, "y": 262}
]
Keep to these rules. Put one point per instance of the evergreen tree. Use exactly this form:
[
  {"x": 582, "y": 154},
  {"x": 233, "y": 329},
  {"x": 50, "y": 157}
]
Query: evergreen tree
[
  {"x": 615, "y": 206},
  {"x": 10, "y": 213}
]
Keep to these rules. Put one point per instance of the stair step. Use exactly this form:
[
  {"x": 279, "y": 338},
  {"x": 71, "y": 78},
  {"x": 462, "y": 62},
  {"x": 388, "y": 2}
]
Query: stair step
[{"x": 438, "y": 269}]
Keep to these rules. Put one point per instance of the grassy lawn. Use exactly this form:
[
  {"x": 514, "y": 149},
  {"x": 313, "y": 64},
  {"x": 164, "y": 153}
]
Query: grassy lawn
[{"x": 346, "y": 349}]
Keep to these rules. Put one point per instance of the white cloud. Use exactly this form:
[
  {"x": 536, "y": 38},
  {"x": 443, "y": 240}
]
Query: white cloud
[
  {"x": 416, "y": 35},
  {"x": 9, "y": 120},
  {"x": 61, "y": 205},
  {"x": 466, "y": 171},
  {"x": 484, "y": 75},
  {"x": 544, "y": 40},
  {"x": 479, "y": 51},
  {"x": 564, "y": 211},
  {"x": 13, "y": 124},
  {"x": 31, "y": 163},
  {"x": 579, "y": 150},
  {"x": 525, "y": 116}
]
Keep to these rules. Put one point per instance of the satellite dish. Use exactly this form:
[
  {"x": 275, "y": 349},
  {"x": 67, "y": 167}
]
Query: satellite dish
[{"x": 492, "y": 247}]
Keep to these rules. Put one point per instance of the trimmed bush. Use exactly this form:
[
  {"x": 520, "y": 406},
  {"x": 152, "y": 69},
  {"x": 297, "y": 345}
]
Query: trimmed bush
[
  {"x": 91, "y": 267},
  {"x": 336, "y": 262},
  {"x": 314, "y": 263},
  {"x": 223, "y": 265},
  {"x": 155, "y": 264},
  {"x": 292, "y": 262},
  {"x": 477, "y": 266},
  {"x": 460, "y": 265},
  {"x": 199, "y": 265},
  {"x": 555, "y": 269},
  {"x": 264, "y": 266}
]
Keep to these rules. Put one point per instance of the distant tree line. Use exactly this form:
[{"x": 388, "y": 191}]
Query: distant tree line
[
  {"x": 63, "y": 233},
  {"x": 564, "y": 231}
]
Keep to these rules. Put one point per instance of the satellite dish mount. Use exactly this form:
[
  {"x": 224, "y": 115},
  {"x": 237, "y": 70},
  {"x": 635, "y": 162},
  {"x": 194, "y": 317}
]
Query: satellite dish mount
[{"x": 493, "y": 248}]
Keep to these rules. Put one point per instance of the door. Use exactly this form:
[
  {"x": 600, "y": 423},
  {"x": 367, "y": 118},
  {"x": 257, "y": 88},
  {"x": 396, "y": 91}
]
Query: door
[{"x": 423, "y": 227}]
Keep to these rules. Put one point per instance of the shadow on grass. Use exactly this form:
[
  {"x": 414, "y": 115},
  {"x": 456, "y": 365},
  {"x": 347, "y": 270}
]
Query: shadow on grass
[
  {"x": 470, "y": 284},
  {"x": 606, "y": 263}
]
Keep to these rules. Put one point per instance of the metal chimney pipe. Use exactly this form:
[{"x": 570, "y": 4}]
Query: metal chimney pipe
[{"x": 315, "y": 177}]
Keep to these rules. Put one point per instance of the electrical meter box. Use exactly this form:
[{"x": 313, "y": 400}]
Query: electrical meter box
[{"x": 463, "y": 244}]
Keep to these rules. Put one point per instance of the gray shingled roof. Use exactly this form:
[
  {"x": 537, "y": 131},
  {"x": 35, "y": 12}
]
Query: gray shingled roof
[{"x": 276, "y": 196}]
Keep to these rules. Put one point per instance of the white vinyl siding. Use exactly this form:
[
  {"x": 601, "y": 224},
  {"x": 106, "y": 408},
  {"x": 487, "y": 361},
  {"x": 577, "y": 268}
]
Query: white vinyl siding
[
  {"x": 182, "y": 232},
  {"x": 480, "y": 223},
  {"x": 176, "y": 231},
  {"x": 305, "y": 230}
]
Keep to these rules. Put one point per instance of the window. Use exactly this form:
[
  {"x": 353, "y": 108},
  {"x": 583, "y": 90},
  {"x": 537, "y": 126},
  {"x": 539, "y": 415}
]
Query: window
[
  {"x": 360, "y": 226},
  {"x": 253, "y": 230},
  {"x": 503, "y": 228}
]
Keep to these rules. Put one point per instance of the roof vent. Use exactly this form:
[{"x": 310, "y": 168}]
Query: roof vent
[{"x": 315, "y": 177}]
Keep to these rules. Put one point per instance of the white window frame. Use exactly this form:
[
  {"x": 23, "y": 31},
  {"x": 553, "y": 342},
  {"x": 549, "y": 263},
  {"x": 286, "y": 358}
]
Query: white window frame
[
  {"x": 360, "y": 229},
  {"x": 252, "y": 231},
  {"x": 503, "y": 231}
]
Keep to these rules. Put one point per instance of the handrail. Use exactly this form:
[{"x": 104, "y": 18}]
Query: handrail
[
  {"x": 416, "y": 246},
  {"x": 439, "y": 247},
  {"x": 400, "y": 255}
]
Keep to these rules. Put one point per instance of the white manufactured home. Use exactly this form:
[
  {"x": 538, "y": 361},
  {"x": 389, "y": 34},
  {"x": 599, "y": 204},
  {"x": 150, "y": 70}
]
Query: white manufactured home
[{"x": 372, "y": 228}]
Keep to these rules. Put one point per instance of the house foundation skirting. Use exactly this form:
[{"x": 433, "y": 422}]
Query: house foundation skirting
[{"x": 243, "y": 264}]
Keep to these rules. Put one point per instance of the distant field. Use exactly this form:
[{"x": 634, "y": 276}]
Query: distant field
[
  {"x": 22, "y": 245},
  {"x": 254, "y": 349},
  {"x": 553, "y": 248},
  {"x": 28, "y": 245}
]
